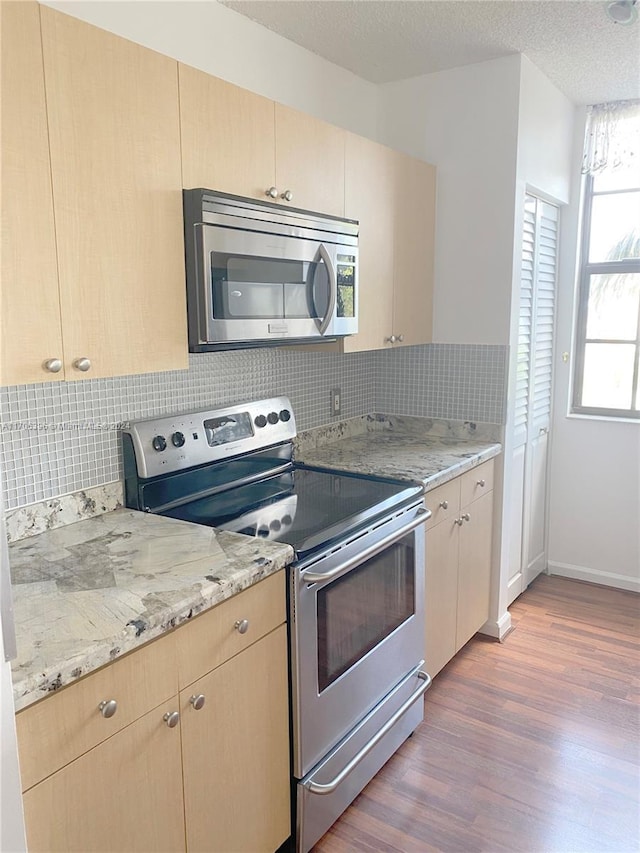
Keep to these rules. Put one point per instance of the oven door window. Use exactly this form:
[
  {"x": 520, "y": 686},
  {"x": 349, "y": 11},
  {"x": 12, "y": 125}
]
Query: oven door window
[
  {"x": 359, "y": 610},
  {"x": 246, "y": 287}
]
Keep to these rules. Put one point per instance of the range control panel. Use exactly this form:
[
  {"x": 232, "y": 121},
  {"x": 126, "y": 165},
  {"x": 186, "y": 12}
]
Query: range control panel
[{"x": 167, "y": 444}]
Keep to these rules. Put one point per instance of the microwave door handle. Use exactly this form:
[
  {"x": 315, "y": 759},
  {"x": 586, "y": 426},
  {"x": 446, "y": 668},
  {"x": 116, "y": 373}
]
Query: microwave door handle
[{"x": 333, "y": 287}]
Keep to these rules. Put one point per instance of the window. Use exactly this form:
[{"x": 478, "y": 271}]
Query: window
[{"x": 607, "y": 362}]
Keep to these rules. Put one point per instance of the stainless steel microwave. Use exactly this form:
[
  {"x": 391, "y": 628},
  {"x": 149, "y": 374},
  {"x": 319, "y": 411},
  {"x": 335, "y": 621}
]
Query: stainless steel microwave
[{"x": 261, "y": 273}]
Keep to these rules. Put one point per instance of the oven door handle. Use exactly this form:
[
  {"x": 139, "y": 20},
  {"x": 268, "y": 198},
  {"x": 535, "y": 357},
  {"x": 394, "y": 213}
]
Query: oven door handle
[
  {"x": 421, "y": 515},
  {"x": 317, "y": 788}
]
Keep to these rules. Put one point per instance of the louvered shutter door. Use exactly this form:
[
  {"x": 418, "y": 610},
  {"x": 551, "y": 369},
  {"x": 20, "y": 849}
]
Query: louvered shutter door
[
  {"x": 527, "y": 272},
  {"x": 544, "y": 308}
]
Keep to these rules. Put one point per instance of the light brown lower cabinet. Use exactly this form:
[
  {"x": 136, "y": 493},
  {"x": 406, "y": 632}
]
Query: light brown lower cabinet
[
  {"x": 239, "y": 743},
  {"x": 124, "y": 795},
  {"x": 458, "y": 563},
  {"x": 216, "y": 781}
]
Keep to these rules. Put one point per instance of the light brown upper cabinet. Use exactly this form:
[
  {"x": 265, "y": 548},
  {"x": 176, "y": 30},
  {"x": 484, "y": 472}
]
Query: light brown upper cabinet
[
  {"x": 369, "y": 185},
  {"x": 309, "y": 162},
  {"x": 31, "y": 332},
  {"x": 392, "y": 195},
  {"x": 237, "y": 142},
  {"x": 114, "y": 137},
  {"x": 415, "y": 184},
  {"x": 228, "y": 136}
]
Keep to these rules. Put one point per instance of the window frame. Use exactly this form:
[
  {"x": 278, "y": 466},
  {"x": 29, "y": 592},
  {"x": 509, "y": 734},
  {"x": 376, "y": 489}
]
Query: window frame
[{"x": 587, "y": 270}]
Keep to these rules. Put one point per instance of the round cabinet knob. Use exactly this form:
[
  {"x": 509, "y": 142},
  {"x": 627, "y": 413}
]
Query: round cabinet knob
[
  {"x": 171, "y": 718},
  {"x": 273, "y": 418},
  {"x": 53, "y": 365},
  {"x": 391, "y": 339},
  {"x": 481, "y": 482},
  {"x": 285, "y": 415},
  {"x": 458, "y": 521},
  {"x": 444, "y": 504},
  {"x": 260, "y": 421},
  {"x": 108, "y": 707},
  {"x": 82, "y": 364},
  {"x": 272, "y": 192},
  {"x": 197, "y": 702},
  {"x": 159, "y": 443},
  {"x": 242, "y": 626},
  {"x": 466, "y": 516},
  {"x": 400, "y": 338},
  {"x": 177, "y": 439},
  {"x": 287, "y": 195}
]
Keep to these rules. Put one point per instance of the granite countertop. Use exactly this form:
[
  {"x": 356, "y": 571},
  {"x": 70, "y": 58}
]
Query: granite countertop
[
  {"x": 88, "y": 592},
  {"x": 429, "y": 451}
]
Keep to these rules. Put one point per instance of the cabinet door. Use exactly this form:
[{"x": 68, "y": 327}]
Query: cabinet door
[
  {"x": 115, "y": 162},
  {"x": 474, "y": 571},
  {"x": 228, "y": 136},
  {"x": 236, "y": 752},
  {"x": 369, "y": 187},
  {"x": 31, "y": 330},
  {"x": 122, "y": 796},
  {"x": 310, "y": 161},
  {"x": 441, "y": 594},
  {"x": 414, "y": 250}
]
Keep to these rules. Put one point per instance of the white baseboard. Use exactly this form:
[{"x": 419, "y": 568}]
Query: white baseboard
[
  {"x": 581, "y": 573},
  {"x": 497, "y": 628}
]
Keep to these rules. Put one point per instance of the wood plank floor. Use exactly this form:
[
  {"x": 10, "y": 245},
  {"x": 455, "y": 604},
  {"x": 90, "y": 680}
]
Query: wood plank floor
[{"x": 527, "y": 745}]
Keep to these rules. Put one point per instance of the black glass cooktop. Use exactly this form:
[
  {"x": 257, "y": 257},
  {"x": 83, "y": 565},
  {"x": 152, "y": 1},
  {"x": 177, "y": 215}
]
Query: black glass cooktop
[{"x": 304, "y": 507}]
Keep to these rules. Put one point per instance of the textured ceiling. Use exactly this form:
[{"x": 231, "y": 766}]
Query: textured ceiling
[{"x": 573, "y": 42}]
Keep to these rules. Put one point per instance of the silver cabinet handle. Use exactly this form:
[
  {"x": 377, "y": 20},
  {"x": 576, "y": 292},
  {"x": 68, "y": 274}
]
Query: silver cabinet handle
[
  {"x": 466, "y": 516},
  {"x": 287, "y": 195},
  {"x": 457, "y": 521},
  {"x": 242, "y": 626},
  {"x": 171, "y": 718},
  {"x": 272, "y": 192},
  {"x": 400, "y": 338},
  {"x": 317, "y": 788},
  {"x": 82, "y": 364},
  {"x": 53, "y": 365},
  {"x": 197, "y": 702},
  {"x": 108, "y": 707},
  {"x": 319, "y": 577},
  {"x": 444, "y": 504},
  {"x": 391, "y": 339},
  {"x": 481, "y": 483}
]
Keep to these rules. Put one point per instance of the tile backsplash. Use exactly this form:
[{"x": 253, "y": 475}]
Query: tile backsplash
[{"x": 61, "y": 437}]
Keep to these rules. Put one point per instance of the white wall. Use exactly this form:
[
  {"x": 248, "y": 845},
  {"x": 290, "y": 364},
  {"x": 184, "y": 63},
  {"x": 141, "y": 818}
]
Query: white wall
[
  {"x": 594, "y": 516},
  {"x": 466, "y": 122},
  {"x": 12, "y": 838},
  {"x": 221, "y": 42}
]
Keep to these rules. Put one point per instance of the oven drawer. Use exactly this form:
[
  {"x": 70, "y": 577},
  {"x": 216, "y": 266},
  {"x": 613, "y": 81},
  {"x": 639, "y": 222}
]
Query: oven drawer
[{"x": 215, "y": 636}]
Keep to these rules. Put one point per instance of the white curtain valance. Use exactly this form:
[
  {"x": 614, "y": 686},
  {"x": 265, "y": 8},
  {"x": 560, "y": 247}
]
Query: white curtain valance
[{"x": 612, "y": 136}]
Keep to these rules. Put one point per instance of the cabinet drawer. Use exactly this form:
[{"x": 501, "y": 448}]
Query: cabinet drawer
[
  {"x": 444, "y": 502},
  {"x": 65, "y": 725},
  {"x": 212, "y": 638},
  {"x": 475, "y": 483}
]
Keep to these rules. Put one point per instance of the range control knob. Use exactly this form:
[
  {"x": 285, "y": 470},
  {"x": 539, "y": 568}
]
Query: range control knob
[
  {"x": 285, "y": 415},
  {"x": 273, "y": 418},
  {"x": 260, "y": 421},
  {"x": 159, "y": 443},
  {"x": 177, "y": 439}
]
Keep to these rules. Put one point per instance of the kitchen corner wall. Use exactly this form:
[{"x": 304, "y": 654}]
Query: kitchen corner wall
[{"x": 61, "y": 437}]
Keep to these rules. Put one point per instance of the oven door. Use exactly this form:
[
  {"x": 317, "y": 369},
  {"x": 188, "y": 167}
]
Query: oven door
[
  {"x": 266, "y": 286},
  {"x": 357, "y": 630}
]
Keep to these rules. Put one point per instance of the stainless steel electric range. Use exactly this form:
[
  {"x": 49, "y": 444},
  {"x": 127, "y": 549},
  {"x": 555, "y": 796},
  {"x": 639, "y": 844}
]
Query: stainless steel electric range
[{"x": 355, "y": 589}]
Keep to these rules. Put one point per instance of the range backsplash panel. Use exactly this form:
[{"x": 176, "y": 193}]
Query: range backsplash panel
[{"x": 62, "y": 437}]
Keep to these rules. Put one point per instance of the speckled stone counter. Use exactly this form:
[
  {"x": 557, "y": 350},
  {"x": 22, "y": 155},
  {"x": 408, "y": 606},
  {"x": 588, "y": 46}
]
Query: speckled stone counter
[
  {"x": 430, "y": 451},
  {"x": 86, "y": 593}
]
